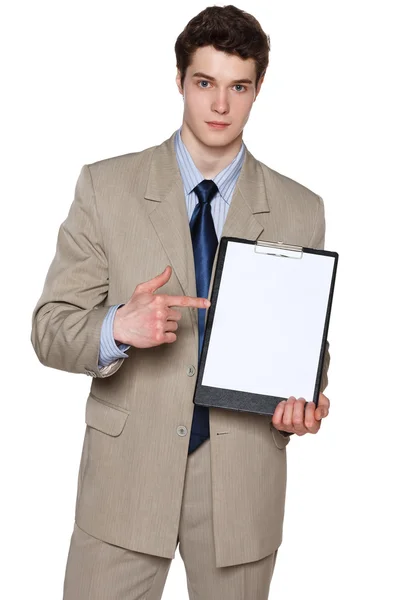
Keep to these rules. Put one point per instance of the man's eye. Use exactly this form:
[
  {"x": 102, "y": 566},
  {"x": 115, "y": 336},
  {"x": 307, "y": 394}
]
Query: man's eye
[{"x": 237, "y": 85}]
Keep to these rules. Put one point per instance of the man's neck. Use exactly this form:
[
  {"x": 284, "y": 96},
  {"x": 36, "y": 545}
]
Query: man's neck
[{"x": 208, "y": 159}]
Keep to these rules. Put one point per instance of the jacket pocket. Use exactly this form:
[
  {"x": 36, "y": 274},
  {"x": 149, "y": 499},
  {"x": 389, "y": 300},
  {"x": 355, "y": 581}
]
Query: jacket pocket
[
  {"x": 280, "y": 441},
  {"x": 104, "y": 416}
]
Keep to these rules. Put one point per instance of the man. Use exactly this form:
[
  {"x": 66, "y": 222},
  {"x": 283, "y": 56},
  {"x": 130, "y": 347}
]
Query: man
[{"x": 156, "y": 471}]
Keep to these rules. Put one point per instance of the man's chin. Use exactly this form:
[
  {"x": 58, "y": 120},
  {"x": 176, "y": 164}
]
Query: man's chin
[
  {"x": 213, "y": 138},
  {"x": 217, "y": 139}
]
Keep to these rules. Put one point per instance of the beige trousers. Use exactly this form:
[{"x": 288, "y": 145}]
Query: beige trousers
[{"x": 97, "y": 570}]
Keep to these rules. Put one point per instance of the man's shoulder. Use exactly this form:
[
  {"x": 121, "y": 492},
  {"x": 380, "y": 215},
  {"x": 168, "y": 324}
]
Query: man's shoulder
[
  {"x": 121, "y": 162},
  {"x": 285, "y": 186}
]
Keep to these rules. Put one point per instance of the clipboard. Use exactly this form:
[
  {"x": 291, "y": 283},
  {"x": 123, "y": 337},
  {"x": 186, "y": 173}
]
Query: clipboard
[{"x": 267, "y": 325}]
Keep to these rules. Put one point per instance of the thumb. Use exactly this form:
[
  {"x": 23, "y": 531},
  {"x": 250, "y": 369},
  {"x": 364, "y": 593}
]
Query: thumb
[
  {"x": 153, "y": 284},
  {"x": 320, "y": 413}
]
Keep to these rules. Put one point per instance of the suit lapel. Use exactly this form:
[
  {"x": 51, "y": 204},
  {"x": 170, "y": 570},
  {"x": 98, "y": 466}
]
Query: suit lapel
[
  {"x": 168, "y": 212},
  {"x": 249, "y": 198}
]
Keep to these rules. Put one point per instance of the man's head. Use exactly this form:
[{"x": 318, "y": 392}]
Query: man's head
[{"x": 222, "y": 55}]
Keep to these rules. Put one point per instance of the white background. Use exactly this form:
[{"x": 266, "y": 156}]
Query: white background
[{"x": 83, "y": 81}]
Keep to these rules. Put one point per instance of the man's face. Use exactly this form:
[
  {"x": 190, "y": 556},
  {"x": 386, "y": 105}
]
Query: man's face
[{"x": 218, "y": 87}]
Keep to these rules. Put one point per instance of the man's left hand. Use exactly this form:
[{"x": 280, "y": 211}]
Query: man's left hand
[{"x": 291, "y": 416}]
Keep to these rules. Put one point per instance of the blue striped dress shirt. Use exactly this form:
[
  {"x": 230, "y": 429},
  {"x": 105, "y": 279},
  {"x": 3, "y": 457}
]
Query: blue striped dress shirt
[{"x": 191, "y": 176}]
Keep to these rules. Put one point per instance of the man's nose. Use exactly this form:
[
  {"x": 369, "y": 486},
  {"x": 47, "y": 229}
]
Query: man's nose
[{"x": 221, "y": 104}]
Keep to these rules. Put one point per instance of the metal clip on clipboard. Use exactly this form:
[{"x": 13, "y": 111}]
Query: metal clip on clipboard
[{"x": 278, "y": 249}]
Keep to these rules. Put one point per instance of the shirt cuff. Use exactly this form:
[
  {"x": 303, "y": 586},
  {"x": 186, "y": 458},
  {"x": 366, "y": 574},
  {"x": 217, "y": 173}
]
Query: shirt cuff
[{"x": 109, "y": 350}]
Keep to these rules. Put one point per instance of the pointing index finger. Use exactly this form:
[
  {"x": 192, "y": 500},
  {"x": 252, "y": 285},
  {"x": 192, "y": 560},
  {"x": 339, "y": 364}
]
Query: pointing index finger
[{"x": 189, "y": 301}]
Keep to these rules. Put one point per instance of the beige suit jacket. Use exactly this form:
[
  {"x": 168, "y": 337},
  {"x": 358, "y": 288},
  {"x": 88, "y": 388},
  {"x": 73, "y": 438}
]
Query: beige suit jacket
[{"x": 128, "y": 221}]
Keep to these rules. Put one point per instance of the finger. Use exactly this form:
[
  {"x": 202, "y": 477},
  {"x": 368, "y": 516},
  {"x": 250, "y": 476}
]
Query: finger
[
  {"x": 278, "y": 414},
  {"x": 310, "y": 422},
  {"x": 173, "y": 315},
  {"x": 288, "y": 414},
  {"x": 187, "y": 301},
  {"x": 169, "y": 337},
  {"x": 298, "y": 416},
  {"x": 324, "y": 401},
  {"x": 154, "y": 284},
  {"x": 170, "y": 326},
  {"x": 323, "y": 407}
]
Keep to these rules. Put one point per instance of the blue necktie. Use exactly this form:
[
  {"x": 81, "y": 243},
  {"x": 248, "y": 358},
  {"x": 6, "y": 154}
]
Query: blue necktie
[{"x": 205, "y": 243}]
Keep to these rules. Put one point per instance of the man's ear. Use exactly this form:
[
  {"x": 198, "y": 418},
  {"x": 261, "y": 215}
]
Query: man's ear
[
  {"x": 259, "y": 86},
  {"x": 178, "y": 81}
]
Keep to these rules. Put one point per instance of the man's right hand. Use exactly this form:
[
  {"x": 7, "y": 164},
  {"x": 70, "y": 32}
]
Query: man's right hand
[{"x": 147, "y": 319}]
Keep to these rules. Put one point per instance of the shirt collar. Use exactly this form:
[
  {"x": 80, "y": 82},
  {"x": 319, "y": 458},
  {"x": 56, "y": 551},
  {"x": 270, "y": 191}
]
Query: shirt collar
[{"x": 191, "y": 176}]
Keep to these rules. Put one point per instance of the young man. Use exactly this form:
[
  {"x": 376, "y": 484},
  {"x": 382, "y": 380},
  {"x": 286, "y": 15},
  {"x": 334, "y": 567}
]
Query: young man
[{"x": 156, "y": 470}]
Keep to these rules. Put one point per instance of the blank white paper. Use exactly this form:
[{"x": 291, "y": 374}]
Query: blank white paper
[{"x": 268, "y": 324}]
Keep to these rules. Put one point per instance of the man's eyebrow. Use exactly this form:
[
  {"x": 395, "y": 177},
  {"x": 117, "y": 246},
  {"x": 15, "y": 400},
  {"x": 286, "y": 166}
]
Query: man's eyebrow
[{"x": 205, "y": 76}]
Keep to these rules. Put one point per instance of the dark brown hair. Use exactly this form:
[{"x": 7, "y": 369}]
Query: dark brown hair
[{"x": 228, "y": 29}]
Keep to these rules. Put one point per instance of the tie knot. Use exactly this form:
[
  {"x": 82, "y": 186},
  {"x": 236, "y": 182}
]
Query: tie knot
[{"x": 206, "y": 190}]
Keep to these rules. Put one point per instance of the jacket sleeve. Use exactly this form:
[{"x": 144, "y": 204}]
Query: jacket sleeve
[
  {"x": 318, "y": 242},
  {"x": 67, "y": 319}
]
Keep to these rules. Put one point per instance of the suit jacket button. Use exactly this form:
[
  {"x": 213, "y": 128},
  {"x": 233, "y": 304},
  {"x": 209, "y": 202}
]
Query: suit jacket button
[
  {"x": 191, "y": 370},
  {"x": 181, "y": 430}
]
